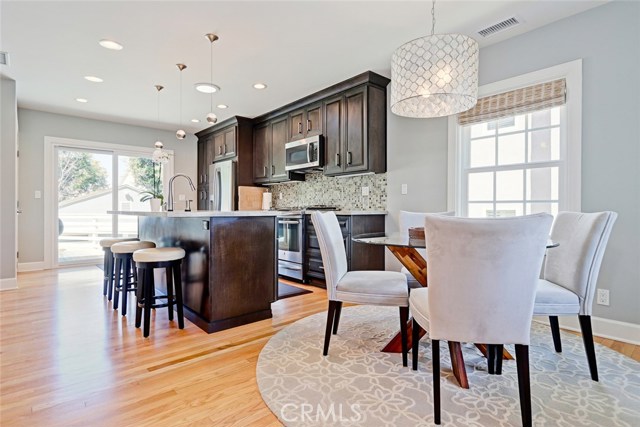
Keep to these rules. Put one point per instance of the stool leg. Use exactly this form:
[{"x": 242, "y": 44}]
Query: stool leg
[
  {"x": 110, "y": 274},
  {"x": 140, "y": 298},
  {"x": 117, "y": 284},
  {"x": 177, "y": 279},
  {"x": 148, "y": 300},
  {"x": 105, "y": 267},
  {"x": 170, "y": 300},
  {"x": 125, "y": 285}
]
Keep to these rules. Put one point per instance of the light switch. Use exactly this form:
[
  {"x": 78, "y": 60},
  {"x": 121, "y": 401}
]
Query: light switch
[
  {"x": 404, "y": 189},
  {"x": 37, "y": 194},
  {"x": 280, "y": 195},
  {"x": 365, "y": 191}
]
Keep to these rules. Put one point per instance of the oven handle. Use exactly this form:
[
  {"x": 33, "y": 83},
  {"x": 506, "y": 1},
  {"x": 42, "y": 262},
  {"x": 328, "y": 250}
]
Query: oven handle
[
  {"x": 285, "y": 221},
  {"x": 290, "y": 268}
]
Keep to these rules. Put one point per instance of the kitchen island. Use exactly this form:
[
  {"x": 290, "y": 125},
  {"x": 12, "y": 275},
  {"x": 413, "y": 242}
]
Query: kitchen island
[{"x": 229, "y": 273}]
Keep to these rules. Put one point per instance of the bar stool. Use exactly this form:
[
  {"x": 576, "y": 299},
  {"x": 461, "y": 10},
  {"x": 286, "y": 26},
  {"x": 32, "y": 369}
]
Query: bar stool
[
  {"x": 125, "y": 271},
  {"x": 107, "y": 285},
  {"x": 146, "y": 260}
]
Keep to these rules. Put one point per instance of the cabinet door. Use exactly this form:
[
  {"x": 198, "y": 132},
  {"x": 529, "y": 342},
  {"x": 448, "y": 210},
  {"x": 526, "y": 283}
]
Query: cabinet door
[
  {"x": 296, "y": 125},
  {"x": 202, "y": 162},
  {"x": 218, "y": 144},
  {"x": 229, "y": 147},
  {"x": 313, "y": 120},
  {"x": 261, "y": 152},
  {"x": 209, "y": 158},
  {"x": 333, "y": 130},
  {"x": 279, "y": 138},
  {"x": 355, "y": 136}
]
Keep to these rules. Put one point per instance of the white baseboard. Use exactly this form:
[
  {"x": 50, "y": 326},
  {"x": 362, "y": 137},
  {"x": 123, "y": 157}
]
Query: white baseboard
[
  {"x": 30, "y": 266},
  {"x": 605, "y": 328},
  {"x": 6, "y": 284}
]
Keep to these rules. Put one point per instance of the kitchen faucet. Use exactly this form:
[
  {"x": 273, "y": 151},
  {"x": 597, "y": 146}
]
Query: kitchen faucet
[{"x": 170, "y": 202}]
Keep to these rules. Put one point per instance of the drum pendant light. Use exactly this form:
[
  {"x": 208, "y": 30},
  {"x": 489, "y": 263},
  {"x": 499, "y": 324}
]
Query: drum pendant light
[
  {"x": 181, "y": 134},
  {"x": 211, "y": 117},
  {"x": 434, "y": 75}
]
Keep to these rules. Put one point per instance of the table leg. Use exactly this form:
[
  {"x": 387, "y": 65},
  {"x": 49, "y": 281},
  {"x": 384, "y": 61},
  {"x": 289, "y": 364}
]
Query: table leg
[{"x": 413, "y": 261}]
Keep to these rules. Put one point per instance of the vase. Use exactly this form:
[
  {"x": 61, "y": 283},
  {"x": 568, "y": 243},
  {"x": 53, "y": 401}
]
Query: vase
[{"x": 156, "y": 205}]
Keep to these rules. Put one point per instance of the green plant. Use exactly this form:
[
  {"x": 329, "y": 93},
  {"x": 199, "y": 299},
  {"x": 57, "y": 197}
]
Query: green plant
[{"x": 156, "y": 191}]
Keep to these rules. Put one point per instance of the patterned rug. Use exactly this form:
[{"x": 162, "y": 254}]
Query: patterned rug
[{"x": 357, "y": 385}]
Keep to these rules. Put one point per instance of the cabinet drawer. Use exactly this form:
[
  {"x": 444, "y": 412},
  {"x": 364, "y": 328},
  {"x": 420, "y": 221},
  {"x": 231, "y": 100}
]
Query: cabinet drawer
[{"x": 344, "y": 221}]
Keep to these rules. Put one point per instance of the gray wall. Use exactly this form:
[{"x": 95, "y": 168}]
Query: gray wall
[
  {"x": 35, "y": 125},
  {"x": 7, "y": 178},
  {"x": 607, "y": 38}
]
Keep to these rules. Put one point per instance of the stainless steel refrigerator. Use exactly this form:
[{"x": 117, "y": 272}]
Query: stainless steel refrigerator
[{"x": 222, "y": 186}]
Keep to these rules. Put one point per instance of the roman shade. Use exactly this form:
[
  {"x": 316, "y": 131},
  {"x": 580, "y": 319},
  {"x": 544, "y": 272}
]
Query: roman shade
[{"x": 524, "y": 100}]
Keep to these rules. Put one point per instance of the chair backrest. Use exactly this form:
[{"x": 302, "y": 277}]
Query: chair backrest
[
  {"x": 415, "y": 219},
  {"x": 575, "y": 264},
  {"x": 482, "y": 276},
  {"x": 334, "y": 255}
]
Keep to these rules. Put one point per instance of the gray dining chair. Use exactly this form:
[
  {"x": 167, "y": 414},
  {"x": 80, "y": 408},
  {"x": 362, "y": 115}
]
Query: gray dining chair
[
  {"x": 482, "y": 282},
  {"x": 386, "y": 288},
  {"x": 570, "y": 274}
]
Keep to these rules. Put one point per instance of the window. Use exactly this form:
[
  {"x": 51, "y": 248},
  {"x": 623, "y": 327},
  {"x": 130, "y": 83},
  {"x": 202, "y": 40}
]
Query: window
[{"x": 508, "y": 158}]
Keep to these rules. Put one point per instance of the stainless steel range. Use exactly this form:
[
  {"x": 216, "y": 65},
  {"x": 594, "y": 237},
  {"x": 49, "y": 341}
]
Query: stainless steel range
[{"x": 291, "y": 227}]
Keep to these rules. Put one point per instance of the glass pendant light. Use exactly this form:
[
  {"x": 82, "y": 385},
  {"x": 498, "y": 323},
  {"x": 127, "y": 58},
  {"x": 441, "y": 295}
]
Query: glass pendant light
[
  {"x": 211, "y": 117},
  {"x": 434, "y": 75},
  {"x": 181, "y": 134},
  {"x": 158, "y": 144}
]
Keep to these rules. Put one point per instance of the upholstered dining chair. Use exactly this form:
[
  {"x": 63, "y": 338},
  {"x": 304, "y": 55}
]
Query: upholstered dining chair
[
  {"x": 482, "y": 282},
  {"x": 410, "y": 220},
  {"x": 570, "y": 274},
  {"x": 387, "y": 288}
]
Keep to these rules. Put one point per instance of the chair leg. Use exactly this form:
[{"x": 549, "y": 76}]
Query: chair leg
[
  {"x": 415, "y": 341},
  {"x": 125, "y": 285},
  {"x": 524, "y": 386},
  {"x": 587, "y": 338},
  {"x": 435, "y": 359},
  {"x": 404, "y": 319},
  {"x": 111, "y": 277},
  {"x": 105, "y": 265},
  {"x": 117, "y": 284},
  {"x": 331, "y": 312},
  {"x": 168, "y": 274},
  {"x": 498, "y": 359},
  {"x": 140, "y": 297},
  {"x": 177, "y": 281},
  {"x": 336, "y": 317},
  {"x": 555, "y": 333},
  {"x": 148, "y": 300},
  {"x": 491, "y": 358}
]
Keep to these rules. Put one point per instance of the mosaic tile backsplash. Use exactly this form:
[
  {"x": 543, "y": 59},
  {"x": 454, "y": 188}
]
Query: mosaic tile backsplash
[{"x": 344, "y": 193}]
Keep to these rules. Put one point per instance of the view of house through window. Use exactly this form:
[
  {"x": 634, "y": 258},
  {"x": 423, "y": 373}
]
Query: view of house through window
[
  {"x": 514, "y": 165},
  {"x": 90, "y": 183}
]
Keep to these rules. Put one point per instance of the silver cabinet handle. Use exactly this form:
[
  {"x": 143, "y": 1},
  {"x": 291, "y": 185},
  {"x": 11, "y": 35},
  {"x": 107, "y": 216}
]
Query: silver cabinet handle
[
  {"x": 300, "y": 127},
  {"x": 265, "y": 171},
  {"x": 308, "y": 125},
  {"x": 288, "y": 221},
  {"x": 225, "y": 149},
  {"x": 273, "y": 170},
  {"x": 220, "y": 150},
  {"x": 337, "y": 159},
  {"x": 349, "y": 157},
  {"x": 321, "y": 267}
]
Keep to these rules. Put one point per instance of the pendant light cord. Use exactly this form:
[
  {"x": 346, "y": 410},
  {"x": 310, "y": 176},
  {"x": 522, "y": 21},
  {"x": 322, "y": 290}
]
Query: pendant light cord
[
  {"x": 180, "y": 99},
  {"x": 433, "y": 17},
  {"x": 211, "y": 79}
]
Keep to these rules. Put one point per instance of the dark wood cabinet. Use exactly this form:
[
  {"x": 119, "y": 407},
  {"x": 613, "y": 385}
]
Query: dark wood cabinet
[
  {"x": 305, "y": 122},
  {"x": 333, "y": 124},
  {"x": 295, "y": 125},
  {"x": 279, "y": 137},
  {"x": 269, "y": 139},
  {"x": 224, "y": 144},
  {"x": 261, "y": 152},
  {"x": 359, "y": 255},
  {"x": 355, "y": 131}
]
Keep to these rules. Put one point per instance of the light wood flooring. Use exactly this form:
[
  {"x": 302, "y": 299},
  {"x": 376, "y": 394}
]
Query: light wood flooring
[{"x": 68, "y": 359}]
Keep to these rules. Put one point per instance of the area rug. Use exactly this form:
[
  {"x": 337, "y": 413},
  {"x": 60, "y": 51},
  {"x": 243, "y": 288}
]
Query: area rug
[
  {"x": 286, "y": 291},
  {"x": 357, "y": 385}
]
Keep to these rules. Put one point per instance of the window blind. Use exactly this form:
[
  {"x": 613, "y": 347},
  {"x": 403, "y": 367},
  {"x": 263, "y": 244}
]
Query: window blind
[{"x": 519, "y": 101}]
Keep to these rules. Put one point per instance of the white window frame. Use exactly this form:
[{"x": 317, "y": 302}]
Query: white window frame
[
  {"x": 571, "y": 156},
  {"x": 51, "y": 144}
]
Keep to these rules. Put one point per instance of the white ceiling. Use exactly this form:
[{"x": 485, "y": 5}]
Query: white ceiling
[{"x": 296, "y": 48}]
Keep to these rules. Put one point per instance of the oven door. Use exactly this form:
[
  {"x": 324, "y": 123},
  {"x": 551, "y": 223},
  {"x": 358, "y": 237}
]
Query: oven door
[
  {"x": 290, "y": 239},
  {"x": 306, "y": 154}
]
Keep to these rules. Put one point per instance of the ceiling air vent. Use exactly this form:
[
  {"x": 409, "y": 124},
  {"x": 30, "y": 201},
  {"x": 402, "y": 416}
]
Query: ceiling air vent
[
  {"x": 4, "y": 58},
  {"x": 500, "y": 26}
]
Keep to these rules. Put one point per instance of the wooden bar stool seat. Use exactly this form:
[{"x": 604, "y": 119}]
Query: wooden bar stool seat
[
  {"x": 105, "y": 244},
  {"x": 126, "y": 278},
  {"x": 146, "y": 260}
]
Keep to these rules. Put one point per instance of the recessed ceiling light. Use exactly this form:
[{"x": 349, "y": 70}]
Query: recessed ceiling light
[
  {"x": 82, "y": 100},
  {"x": 93, "y": 79},
  {"x": 110, "y": 44},
  {"x": 206, "y": 87},
  {"x": 222, "y": 106},
  {"x": 260, "y": 86},
  {"x": 195, "y": 120}
]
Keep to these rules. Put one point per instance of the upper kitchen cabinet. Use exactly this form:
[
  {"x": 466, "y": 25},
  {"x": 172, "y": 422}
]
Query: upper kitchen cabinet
[
  {"x": 306, "y": 122},
  {"x": 261, "y": 152},
  {"x": 224, "y": 142},
  {"x": 269, "y": 139}
]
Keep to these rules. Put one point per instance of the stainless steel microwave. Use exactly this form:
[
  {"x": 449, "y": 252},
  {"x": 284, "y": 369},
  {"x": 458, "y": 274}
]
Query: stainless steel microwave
[{"x": 305, "y": 154}]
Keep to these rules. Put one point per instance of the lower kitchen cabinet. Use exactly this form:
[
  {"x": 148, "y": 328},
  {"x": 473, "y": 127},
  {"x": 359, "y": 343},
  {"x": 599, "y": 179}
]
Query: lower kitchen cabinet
[{"x": 359, "y": 256}]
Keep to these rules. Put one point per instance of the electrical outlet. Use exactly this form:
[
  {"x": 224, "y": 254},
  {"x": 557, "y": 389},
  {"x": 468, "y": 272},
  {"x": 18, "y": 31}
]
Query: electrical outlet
[
  {"x": 365, "y": 191},
  {"x": 603, "y": 297},
  {"x": 404, "y": 189},
  {"x": 280, "y": 195}
]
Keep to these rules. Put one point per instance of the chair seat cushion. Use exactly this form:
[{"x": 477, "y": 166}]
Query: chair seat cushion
[
  {"x": 411, "y": 281},
  {"x": 419, "y": 306},
  {"x": 107, "y": 243},
  {"x": 130, "y": 247},
  {"x": 158, "y": 254},
  {"x": 373, "y": 288},
  {"x": 552, "y": 299}
]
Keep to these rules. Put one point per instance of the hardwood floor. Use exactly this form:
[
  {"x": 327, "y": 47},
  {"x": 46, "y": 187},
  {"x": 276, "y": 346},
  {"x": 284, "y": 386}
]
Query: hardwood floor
[{"x": 68, "y": 359}]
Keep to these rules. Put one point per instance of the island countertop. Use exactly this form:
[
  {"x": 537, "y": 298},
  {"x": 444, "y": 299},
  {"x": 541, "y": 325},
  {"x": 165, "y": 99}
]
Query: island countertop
[{"x": 196, "y": 214}]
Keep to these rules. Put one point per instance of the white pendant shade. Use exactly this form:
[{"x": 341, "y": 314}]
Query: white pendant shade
[{"x": 434, "y": 76}]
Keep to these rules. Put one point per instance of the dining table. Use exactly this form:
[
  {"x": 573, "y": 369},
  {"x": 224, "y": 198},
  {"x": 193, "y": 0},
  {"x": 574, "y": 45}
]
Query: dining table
[{"x": 405, "y": 249}]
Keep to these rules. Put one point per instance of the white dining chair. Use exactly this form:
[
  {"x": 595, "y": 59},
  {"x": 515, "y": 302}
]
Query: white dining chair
[
  {"x": 570, "y": 274},
  {"x": 482, "y": 282},
  {"x": 410, "y": 220},
  {"x": 387, "y": 288}
]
